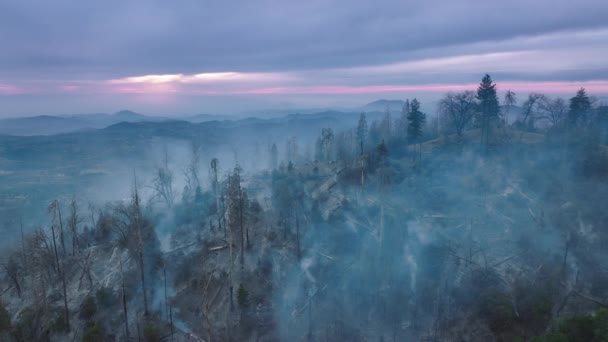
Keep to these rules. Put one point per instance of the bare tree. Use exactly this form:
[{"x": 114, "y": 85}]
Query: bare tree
[
  {"x": 362, "y": 132},
  {"x": 327, "y": 139},
  {"x": 510, "y": 101},
  {"x": 460, "y": 109},
  {"x": 191, "y": 171},
  {"x": 552, "y": 110},
  {"x": 530, "y": 109},
  {"x": 124, "y": 301},
  {"x": 13, "y": 271},
  {"x": 73, "y": 221},
  {"x": 85, "y": 265},
  {"x": 214, "y": 170},
  {"x": 55, "y": 210},
  {"x": 237, "y": 205},
  {"x": 140, "y": 243},
  {"x": 162, "y": 184}
]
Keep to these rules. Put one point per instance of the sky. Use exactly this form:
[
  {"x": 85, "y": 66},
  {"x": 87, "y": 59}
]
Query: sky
[{"x": 195, "y": 56}]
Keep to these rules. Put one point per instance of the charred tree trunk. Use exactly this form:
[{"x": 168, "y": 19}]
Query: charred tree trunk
[
  {"x": 241, "y": 222},
  {"x": 309, "y": 336},
  {"x": 565, "y": 259},
  {"x": 141, "y": 250},
  {"x": 166, "y": 297},
  {"x": 298, "y": 250},
  {"x": 73, "y": 222},
  {"x": 65, "y": 297},
  {"x": 171, "y": 321},
  {"x": 61, "y": 234},
  {"x": 55, "y": 248},
  {"x": 124, "y": 302},
  {"x": 23, "y": 245}
]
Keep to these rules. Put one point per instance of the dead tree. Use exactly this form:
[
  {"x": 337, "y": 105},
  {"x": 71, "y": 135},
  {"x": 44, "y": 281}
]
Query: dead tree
[
  {"x": 237, "y": 206},
  {"x": 23, "y": 245},
  {"x": 460, "y": 108},
  {"x": 65, "y": 296},
  {"x": 165, "y": 280},
  {"x": 529, "y": 110},
  {"x": 13, "y": 271},
  {"x": 214, "y": 182},
  {"x": 124, "y": 301},
  {"x": 56, "y": 212},
  {"x": 140, "y": 244},
  {"x": 162, "y": 184},
  {"x": 191, "y": 170},
  {"x": 85, "y": 265},
  {"x": 298, "y": 250},
  {"x": 73, "y": 222},
  {"x": 58, "y": 268}
]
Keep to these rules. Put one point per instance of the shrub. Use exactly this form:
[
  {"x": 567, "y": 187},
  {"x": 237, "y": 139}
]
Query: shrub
[
  {"x": 59, "y": 324},
  {"x": 243, "y": 297},
  {"x": 5, "y": 319},
  {"x": 104, "y": 297},
  {"x": 88, "y": 308},
  {"x": 152, "y": 333},
  {"x": 93, "y": 333}
]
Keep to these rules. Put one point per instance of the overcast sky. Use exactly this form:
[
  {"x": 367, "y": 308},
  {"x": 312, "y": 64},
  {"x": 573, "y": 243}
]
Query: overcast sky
[{"x": 196, "y": 56}]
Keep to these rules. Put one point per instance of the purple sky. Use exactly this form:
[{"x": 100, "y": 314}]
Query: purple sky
[{"x": 194, "y": 56}]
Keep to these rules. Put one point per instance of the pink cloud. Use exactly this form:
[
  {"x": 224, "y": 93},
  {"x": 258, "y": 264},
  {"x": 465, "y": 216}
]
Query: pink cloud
[
  {"x": 169, "y": 88},
  {"x": 596, "y": 87},
  {"x": 9, "y": 89}
]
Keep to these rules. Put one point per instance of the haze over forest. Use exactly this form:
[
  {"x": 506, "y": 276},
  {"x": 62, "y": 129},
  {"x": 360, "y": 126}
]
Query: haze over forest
[{"x": 312, "y": 171}]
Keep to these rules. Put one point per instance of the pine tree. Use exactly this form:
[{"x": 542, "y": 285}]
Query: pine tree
[
  {"x": 362, "y": 132},
  {"x": 580, "y": 108},
  {"x": 416, "y": 120},
  {"x": 489, "y": 107}
]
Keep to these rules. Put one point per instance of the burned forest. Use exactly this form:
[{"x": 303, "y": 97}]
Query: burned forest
[{"x": 476, "y": 218}]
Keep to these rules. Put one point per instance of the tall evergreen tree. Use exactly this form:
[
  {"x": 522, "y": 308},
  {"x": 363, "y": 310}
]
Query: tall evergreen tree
[
  {"x": 416, "y": 120},
  {"x": 580, "y": 108},
  {"x": 362, "y": 132},
  {"x": 489, "y": 107}
]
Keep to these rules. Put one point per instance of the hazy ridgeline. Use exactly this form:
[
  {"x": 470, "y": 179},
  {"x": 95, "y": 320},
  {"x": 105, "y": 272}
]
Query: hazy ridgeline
[{"x": 481, "y": 220}]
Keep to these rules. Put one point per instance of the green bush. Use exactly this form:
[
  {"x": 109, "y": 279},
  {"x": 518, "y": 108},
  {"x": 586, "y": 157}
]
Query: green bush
[
  {"x": 93, "y": 333},
  {"x": 587, "y": 328},
  {"x": 243, "y": 297},
  {"x": 59, "y": 324},
  {"x": 5, "y": 319},
  {"x": 88, "y": 308},
  {"x": 152, "y": 333},
  {"x": 104, "y": 297}
]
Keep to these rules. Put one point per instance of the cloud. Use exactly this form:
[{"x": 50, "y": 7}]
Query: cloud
[{"x": 284, "y": 47}]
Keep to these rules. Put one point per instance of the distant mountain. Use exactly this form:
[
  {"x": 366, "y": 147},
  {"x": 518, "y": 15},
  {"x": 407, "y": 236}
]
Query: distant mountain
[
  {"x": 50, "y": 125},
  {"x": 41, "y": 125},
  {"x": 207, "y": 117},
  {"x": 381, "y": 105}
]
